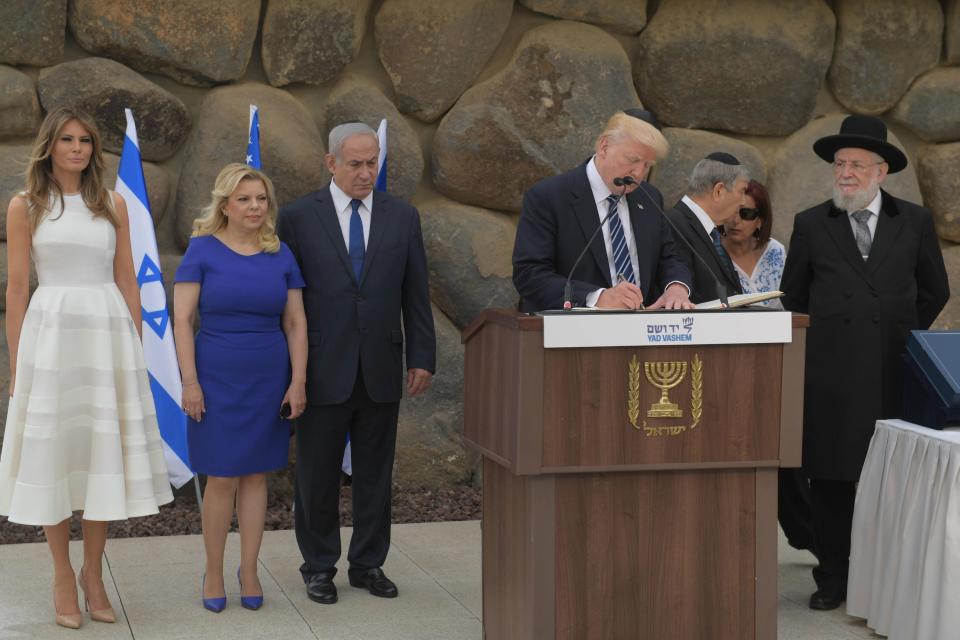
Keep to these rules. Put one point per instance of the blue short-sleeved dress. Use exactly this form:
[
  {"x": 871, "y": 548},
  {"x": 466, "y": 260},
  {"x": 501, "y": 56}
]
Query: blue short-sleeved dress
[{"x": 243, "y": 363}]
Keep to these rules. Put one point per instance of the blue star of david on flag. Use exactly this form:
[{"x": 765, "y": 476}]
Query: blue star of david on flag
[{"x": 253, "y": 139}]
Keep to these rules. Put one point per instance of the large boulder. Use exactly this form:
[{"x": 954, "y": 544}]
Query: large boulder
[
  {"x": 932, "y": 105},
  {"x": 195, "y": 42},
  {"x": 19, "y": 107},
  {"x": 537, "y": 117},
  {"x": 291, "y": 149},
  {"x": 104, "y": 88},
  {"x": 799, "y": 179},
  {"x": 310, "y": 40},
  {"x": 951, "y": 48},
  {"x": 430, "y": 450},
  {"x": 469, "y": 254},
  {"x": 434, "y": 49},
  {"x": 33, "y": 31},
  {"x": 13, "y": 166},
  {"x": 949, "y": 318},
  {"x": 354, "y": 98},
  {"x": 870, "y": 71},
  {"x": 733, "y": 65},
  {"x": 938, "y": 167},
  {"x": 690, "y": 146},
  {"x": 622, "y": 16},
  {"x": 156, "y": 177}
]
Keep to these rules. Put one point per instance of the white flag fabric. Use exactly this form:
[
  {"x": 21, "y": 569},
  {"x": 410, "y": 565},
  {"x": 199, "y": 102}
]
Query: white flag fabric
[{"x": 158, "y": 347}]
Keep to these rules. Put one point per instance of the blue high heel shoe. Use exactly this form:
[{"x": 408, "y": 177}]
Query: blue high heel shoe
[
  {"x": 248, "y": 602},
  {"x": 212, "y": 604}
]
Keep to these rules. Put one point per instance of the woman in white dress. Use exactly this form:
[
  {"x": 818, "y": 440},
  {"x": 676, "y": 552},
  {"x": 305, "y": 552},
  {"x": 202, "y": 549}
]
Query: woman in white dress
[
  {"x": 757, "y": 257},
  {"x": 81, "y": 431}
]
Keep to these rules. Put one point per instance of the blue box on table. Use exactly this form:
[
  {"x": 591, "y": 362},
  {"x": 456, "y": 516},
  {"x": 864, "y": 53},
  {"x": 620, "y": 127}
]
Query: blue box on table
[{"x": 931, "y": 392}]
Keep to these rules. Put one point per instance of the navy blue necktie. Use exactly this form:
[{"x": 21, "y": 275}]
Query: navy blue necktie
[
  {"x": 621, "y": 253},
  {"x": 357, "y": 250},
  {"x": 724, "y": 256}
]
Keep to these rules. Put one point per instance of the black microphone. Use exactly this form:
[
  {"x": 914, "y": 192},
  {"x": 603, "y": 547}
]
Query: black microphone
[
  {"x": 567, "y": 293},
  {"x": 721, "y": 289}
]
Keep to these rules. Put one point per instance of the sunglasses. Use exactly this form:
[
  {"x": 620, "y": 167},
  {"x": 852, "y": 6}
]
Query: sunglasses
[{"x": 749, "y": 214}]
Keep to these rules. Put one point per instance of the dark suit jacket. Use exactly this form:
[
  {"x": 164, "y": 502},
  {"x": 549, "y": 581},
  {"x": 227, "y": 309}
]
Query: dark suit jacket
[
  {"x": 704, "y": 284},
  {"x": 559, "y": 215},
  {"x": 351, "y": 324},
  {"x": 860, "y": 314}
]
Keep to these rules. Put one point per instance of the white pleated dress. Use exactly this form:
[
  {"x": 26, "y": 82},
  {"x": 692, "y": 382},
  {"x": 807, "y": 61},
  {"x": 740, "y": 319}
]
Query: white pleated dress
[{"x": 81, "y": 431}]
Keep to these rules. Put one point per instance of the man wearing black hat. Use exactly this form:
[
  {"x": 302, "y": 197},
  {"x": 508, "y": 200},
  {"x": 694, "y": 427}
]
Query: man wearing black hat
[
  {"x": 715, "y": 193},
  {"x": 867, "y": 268}
]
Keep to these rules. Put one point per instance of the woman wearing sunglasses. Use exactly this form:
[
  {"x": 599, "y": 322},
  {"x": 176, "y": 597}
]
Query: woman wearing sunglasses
[{"x": 757, "y": 257}]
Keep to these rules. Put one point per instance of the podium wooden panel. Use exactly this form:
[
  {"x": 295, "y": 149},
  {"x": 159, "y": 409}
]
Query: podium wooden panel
[{"x": 594, "y": 527}]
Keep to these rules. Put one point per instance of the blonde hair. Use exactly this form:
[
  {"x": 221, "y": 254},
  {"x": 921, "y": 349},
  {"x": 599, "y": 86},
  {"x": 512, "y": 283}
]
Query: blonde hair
[
  {"x": 42, "y": 186},
  {"x": 620, "y": 126},
  {"x": 212, "y": 218}
]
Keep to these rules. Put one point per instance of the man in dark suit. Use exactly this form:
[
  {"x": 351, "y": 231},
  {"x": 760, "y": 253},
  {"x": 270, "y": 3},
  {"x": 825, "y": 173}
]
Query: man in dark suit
[
  {"x": 362, "y": 257},
  {"x": 715, "y": 193},
  {"x": 631, "y": 261},
  {"x": 867, "y": 268}
]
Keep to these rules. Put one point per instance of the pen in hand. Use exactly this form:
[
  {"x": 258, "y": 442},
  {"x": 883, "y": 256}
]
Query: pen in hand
[{"x": 621, "y": 278}]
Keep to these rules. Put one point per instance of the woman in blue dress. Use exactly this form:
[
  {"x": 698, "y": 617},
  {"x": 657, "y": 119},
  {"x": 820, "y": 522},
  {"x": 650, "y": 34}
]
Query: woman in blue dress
[{"x": 246, "y": 365}]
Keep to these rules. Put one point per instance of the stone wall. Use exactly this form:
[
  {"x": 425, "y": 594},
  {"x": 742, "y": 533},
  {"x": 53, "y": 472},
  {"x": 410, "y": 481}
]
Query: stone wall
[{"x": 483, "y": 98}]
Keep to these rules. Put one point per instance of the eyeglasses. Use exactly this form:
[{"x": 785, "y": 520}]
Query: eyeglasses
[
  {"x": 749, "y": 214},
  {"x": 859, "y": 167}
]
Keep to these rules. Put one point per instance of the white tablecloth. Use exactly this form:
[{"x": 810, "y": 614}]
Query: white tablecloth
[{"x": 905, "y": 547}]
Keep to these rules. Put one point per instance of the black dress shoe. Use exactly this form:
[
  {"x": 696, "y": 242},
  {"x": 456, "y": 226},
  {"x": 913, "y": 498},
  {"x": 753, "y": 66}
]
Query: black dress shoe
[
  {"x": 320, "y": 588},
  {"x": 828, "y": 598},
  {"x": 374, "y": 581}
]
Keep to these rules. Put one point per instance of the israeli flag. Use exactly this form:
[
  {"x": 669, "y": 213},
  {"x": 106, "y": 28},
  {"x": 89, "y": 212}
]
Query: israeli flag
[
  {"x": 381, "y": 183},
  {"x": 158, "y": 349},
  {"x": 253, "y": 138}
]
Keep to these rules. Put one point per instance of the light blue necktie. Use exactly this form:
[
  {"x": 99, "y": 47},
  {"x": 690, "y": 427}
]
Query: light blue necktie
[
  {"x": 357, "y": 249},
  {"x": 621, "y": 253}
]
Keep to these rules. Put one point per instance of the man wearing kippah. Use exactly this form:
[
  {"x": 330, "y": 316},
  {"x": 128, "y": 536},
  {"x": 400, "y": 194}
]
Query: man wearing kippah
[
  {"x": 867, "y": 268},
  {"x": 715, "y": 193}
]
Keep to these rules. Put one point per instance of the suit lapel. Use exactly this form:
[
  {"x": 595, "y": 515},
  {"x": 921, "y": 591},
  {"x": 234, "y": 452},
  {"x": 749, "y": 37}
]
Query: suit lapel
[
  {"x": 838, "y": 227},
  {"x": 889, "y": 226},
  {"x": 706, "y": 245},
  {"x": 327, "y": 215},
  {"x": 585, "y": 210},
  {"x": 379, "y": 218}
]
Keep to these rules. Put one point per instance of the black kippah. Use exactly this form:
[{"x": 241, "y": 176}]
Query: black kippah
[
  {"x": 646, "y": 116},
  {"x": 725, "y": 158}
]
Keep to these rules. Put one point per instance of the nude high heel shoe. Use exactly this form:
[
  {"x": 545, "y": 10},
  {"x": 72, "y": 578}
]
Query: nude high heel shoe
[
  {"x": 67, "y": 620},
  {"x": 100, "y": 615}
]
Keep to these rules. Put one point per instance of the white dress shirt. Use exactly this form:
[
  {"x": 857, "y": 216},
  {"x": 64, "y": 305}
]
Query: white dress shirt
[
  {"x": 874, "y": 209},
  {"x": 341, "y": 202},
  {"x": 600, "y": 193},
  {"x": 708, "y": 224}
]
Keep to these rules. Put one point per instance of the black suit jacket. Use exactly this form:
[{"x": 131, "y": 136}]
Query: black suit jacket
[
  {"x": 860, "y": 315},
  {"x": 558, "y": 217},
  {"x": 704, "y": 283},
  {"x": 351, "y": 324}
]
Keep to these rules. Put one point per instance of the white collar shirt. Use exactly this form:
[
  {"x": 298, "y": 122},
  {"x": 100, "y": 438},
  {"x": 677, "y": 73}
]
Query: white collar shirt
[
  {"x": 341, "y": 203},
  {"x": 874, "y": 209}
]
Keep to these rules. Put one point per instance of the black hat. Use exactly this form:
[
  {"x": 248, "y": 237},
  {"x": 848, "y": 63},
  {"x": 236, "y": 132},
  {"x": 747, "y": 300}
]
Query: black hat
[
  {"x": 725, "y": 158},
  {"x": 646, "y": 116},
  {"x": 862, "y": 132}
]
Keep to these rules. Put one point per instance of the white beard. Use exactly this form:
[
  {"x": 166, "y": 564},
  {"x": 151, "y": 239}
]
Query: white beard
[{"x": 857, "y": 200}]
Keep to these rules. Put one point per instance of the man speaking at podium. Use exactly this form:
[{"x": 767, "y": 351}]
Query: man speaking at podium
[
  {"x": 867, "y": 268},
  {"x": 633, "y": 257}
]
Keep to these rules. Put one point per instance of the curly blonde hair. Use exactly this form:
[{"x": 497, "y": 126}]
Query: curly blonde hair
[
  {"x": 212, "y": 218},
  {"x": 42, "y": 187}
]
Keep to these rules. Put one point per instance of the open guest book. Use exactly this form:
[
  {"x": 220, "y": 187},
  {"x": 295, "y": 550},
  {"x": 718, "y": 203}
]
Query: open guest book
[{"x": 741, "y": 300}]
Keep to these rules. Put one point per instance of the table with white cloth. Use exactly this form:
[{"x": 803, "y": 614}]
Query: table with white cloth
[{"x": 905, "y": 546}]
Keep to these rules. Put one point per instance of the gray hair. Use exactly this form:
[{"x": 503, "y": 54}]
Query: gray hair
[
  {"x": 709, "y": 172},
  {"x": 340, "y": 133}
]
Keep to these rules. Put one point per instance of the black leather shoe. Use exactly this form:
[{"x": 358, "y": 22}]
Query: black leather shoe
[
  {"x": 320, "y": 588},
  {"x": 374, "y": 581},
  {"x": 828, "y": 598}
]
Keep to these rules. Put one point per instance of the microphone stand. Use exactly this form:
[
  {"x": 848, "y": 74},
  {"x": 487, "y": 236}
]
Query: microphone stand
[{"x": 567, "y": 288}]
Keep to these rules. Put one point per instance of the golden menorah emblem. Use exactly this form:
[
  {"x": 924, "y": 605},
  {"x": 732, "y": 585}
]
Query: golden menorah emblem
[{"x": 665, "y": 376}]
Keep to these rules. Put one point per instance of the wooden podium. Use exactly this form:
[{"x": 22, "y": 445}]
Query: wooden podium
[{"x": 617, "y": 506}]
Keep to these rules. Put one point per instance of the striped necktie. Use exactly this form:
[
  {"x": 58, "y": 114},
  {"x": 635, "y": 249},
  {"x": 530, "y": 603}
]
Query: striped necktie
[{"x": 621, "y": 253}]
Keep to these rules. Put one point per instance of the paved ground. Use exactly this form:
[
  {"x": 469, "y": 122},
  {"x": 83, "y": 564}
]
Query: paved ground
[{"x": 155, "y": 584}]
